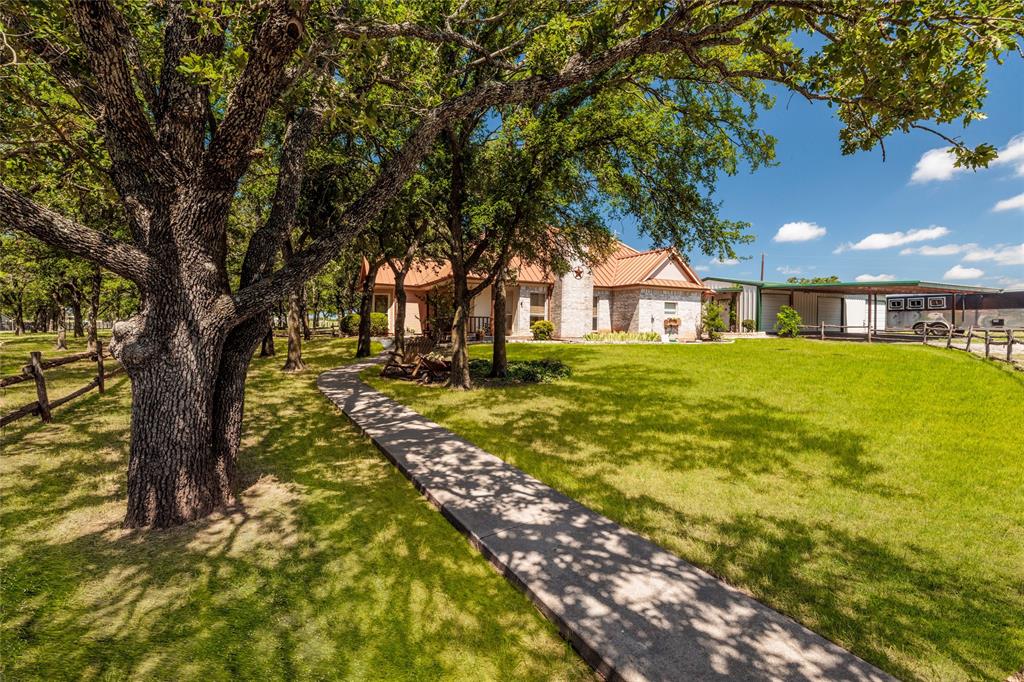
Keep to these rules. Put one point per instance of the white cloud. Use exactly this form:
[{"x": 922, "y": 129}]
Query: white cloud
[
  {"x": 1012, "y": 254},
  {"x": 875, "y": 278},
  {"x": 702, "y": 268},
  {"x": 935, "y": 164},
  {"x": 960, "y": 272},
  {"x": 1010, "y": 285},
  {"x": 1010, "y": 204},
  {"x": 725, "y": 261},
  {"x": 786, "y": 270},
  {"x": 944, "y": 250},
  {"x": 800, "y": 231},
  {"x": 887, "y": 240},
  {"x": 1013, "y": 154},
  {"x": 938, "y": 164}
]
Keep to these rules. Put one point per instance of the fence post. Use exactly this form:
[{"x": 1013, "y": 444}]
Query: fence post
[
  {"x": 99, "y": 365},
  {"x": 949, "y": 338},
  {"x": 986, "y": 343},
  {"x": 35, "y": 361},
  {"x": 924, "y": 334},
  {"x": 1009, "y": 344},
  {"x": 823, "y": 330},
  {"x": 970, "y": 333}
]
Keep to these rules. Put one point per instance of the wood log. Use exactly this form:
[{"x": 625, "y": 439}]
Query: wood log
[
  {"x": 35, "y": 360},
  {"x": 71, "y": 396},
  {"x": 22, "y": 411}
]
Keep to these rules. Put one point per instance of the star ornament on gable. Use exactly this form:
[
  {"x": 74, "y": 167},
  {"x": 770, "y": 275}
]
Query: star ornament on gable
[{"x": 578, "y": 273}]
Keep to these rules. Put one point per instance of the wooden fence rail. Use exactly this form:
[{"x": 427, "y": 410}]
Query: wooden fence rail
[
  {"x": 34, "y": 370},
  {"x": 990, "y": 338}
]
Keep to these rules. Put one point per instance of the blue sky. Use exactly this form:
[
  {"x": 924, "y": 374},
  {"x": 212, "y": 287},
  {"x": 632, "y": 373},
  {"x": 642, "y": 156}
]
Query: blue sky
[{"x": 856, "y": 216}]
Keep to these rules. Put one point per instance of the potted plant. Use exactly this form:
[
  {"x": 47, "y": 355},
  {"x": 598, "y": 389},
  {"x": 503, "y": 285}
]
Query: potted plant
[{"x": 671, "y": 325}]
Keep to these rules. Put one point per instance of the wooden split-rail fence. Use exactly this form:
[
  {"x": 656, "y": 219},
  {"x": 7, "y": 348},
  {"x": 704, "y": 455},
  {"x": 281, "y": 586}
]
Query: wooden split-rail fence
[
  {"x": 996, "y": 344},
  {"x": 34, "y": 371}
]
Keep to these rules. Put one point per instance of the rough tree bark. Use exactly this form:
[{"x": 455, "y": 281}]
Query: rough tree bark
[
  {"x": 307, "y": 334},
  {"x": 400, "y": 302},
  {"x": 294, "y": 361},
  {"x": 366, "y": 310},
  {"x": 77, "y": 328},
  {"x": 60, "y": 319},
  {"x": 267, "y": 345},
  {"x": 94, "y": 305}
]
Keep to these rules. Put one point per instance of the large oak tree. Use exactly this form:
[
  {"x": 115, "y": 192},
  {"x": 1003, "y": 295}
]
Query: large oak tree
[{"x": 180, "y": 94}]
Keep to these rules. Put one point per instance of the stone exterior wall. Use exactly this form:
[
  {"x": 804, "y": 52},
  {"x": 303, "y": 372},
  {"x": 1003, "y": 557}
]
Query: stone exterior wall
[
  {"x": 521, "y": 314},
  {"x": 572, "y": 304},
  {"x": 604, "y": 309},
  {"x": 625, "y": 309},
  {"x": 651, "y": 311}
]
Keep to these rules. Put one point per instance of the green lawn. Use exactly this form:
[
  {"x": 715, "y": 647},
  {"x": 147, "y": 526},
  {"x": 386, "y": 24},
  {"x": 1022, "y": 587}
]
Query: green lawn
[
  {"x": 60, "y": 381},
  {"x": 873, "y": 492},
  {"x": 334, "y": 569}
]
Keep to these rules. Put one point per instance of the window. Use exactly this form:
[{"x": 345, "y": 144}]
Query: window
[
  {"x": 593, "y": 322},
  {"x": 670, "y": 308},
  {"x": 895, "y": 304},
  {"x": 536, "y": 307},
  {"x": 915, "y": 304},
  {"x": 936, "y": 302},
  {"x": 380, "y": 303}
]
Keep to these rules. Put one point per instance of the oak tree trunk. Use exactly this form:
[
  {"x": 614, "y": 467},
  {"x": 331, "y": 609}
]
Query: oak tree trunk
[
  {"x": 294, "y": 362},
  {"x": 76, "y": 316},
  {"x": 365, "y": 310},
  {"x": 60, "y": 319},
  {"x": 267, "y": 345},
  {"x": 304, "y": 315},
  {"x": 499, "y": 356},
  {"x": 400, "y": 299},
  {"x": 94, "y": 306},
  {"x": 459, "y": 376}
]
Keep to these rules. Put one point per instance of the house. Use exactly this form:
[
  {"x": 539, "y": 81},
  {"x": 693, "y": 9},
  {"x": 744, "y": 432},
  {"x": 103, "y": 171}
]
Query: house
[
  {"x": 632, "y": 291},
  {"x": 856, "y": 305}
]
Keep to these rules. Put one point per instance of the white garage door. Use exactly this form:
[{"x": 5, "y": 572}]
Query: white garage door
[
  {"x": 770, "y": 306},
  {"x": 830, "y": 310}
]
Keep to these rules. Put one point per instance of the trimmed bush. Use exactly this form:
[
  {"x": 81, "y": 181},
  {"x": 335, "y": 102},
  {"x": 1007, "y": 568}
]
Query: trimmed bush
[
  {"x": 748, "y": 325},
  {"x": 788, "y": 322},
  {"x": 350, "y": 324},
  {"x": 378, "y": 324},
  {"x": 524, "y": 371},
  {"x": 542, "y": 330},
  {"x": 711, "y": 320},
  {"x": 622, "y": 336}
]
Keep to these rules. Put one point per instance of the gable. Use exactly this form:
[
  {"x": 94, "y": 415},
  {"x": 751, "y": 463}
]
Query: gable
[{"x": 669, "y": 270}]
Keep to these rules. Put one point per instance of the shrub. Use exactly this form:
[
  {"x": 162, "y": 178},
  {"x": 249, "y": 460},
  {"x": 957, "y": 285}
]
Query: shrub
[
  {"x": 788, "y": 322},
  {"x": 622, "y": 336},
  {"x": 350, "y": 324},
  {"x": 378, "y": 324},
  {"x": 524, "y": 371},
  {"x": 711, "y": 320},
  {"x": 542, "y": 330},
  {"x": 748, "y": 325}
]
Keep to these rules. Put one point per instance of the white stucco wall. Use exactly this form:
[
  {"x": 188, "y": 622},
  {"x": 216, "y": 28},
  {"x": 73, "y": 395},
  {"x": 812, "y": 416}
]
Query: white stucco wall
[{"x": 651, "y": 311}]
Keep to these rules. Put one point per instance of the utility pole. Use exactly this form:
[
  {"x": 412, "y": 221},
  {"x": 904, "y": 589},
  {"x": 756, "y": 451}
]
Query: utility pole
[{"x": 762, "y": 266}]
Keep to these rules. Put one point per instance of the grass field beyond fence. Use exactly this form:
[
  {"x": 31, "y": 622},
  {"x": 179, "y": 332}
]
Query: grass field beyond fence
[
  {"x": 873, "y": 492},
  {"x": 333, "y": 568}
]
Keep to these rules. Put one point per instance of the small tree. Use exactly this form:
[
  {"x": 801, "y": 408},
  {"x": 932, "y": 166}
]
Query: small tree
[
  {"x": 712, "y": 320},
  {"x": 788, "y": 322}
]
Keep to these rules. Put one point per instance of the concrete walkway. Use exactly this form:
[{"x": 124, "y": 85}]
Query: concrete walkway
[{"x": 633, "y": 610}]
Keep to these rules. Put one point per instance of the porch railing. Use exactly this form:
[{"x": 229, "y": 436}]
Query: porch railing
[{"x": 442, "y": 329}]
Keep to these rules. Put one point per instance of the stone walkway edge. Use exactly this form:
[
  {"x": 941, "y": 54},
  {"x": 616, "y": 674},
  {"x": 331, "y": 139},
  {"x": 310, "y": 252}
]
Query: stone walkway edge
[{"x": 633, "y": 610}]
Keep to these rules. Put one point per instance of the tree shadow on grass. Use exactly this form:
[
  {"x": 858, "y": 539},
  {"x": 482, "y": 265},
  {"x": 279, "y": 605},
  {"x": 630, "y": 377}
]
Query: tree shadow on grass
[
  {"x": 909, "y": 609},
  {"x": 332, "y": 566}
]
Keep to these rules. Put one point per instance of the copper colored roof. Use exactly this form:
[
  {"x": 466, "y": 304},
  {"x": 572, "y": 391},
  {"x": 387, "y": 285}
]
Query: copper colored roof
[{"x": 626, "y": 267}]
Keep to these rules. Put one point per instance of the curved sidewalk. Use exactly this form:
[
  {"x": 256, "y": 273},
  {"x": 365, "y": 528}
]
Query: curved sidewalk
[{"x": 633, "y": 610}]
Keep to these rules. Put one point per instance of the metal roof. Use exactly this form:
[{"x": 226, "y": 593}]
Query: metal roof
[{"x": 876, "y": 287}]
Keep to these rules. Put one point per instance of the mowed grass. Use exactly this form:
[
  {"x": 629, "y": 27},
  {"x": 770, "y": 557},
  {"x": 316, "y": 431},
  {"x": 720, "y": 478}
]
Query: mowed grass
[
  {"x": 333, "y": 568},
  {"x": 873, "y": 492},
  {"x": 60, "y": 381}
]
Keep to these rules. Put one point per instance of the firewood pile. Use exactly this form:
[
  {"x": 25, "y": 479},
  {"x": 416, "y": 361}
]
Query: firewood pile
[{"x": 421, "y": 362}]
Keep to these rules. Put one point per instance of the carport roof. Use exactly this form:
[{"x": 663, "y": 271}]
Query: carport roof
[{"x": 878, "y": 287}]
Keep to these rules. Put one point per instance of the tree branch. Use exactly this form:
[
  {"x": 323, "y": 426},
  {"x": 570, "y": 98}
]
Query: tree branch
[{"x": 21, "y": 213}]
